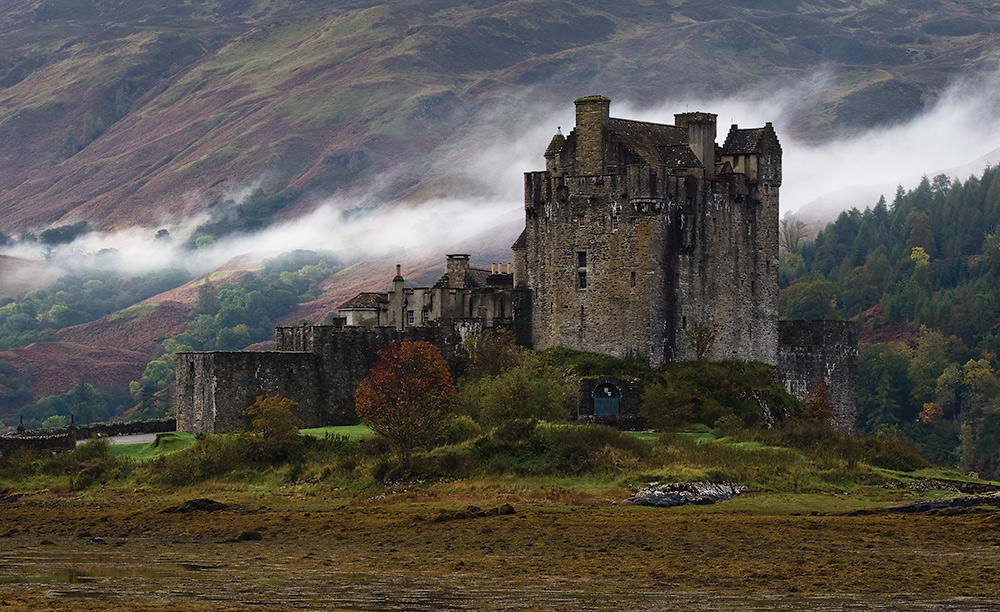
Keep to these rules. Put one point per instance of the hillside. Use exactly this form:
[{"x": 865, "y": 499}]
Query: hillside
[
  {"x": 132, "y": 113},
  {"x": 220, "y": 118}
]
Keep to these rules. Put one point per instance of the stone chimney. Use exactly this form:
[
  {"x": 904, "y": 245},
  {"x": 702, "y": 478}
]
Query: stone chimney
[
  {"x": 701, "y": 137},
  {"x": 592, "y": 113},
  {"x": 458, "y": 266}
]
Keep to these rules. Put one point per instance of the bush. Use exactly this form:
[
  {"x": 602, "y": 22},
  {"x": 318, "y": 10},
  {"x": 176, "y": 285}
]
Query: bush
[
  {"x": 460, "y": 429},
  {"x": 89, "y": 463},
  {"x": 274, "y": 430},
  {"x": 529, "y": 389},
  {"x": 704, "y": 392},
  {"x": 210, "y": 455}
]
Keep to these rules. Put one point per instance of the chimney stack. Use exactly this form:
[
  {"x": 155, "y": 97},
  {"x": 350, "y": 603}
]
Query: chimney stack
[
  {"x": 592, "y": 113},
  {"x": 701, "y": 137},
  {"x": 458, "y": 266}
]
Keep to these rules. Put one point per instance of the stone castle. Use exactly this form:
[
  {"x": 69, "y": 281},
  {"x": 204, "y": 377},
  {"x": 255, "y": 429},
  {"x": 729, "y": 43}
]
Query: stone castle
[{"x": 641, "y": 240}]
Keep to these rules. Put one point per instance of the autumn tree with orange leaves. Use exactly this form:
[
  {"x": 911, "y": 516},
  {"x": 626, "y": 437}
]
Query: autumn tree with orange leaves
[{"x": 407, "y": 396}]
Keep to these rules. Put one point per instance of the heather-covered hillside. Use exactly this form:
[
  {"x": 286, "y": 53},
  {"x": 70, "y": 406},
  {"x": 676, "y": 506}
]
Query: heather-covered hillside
[{"x": 132, "y": 113}]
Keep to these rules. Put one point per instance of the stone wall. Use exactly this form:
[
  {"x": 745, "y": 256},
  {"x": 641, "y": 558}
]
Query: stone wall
[
  {"x": 632, "y": 276},
  {"x": 810, "y": 351},
  {"x": 213, "y": 389},
  {"x": 65, "y": 438},
  {"x": 317, "y": 366},
  {"x": 627, "y": 391}
]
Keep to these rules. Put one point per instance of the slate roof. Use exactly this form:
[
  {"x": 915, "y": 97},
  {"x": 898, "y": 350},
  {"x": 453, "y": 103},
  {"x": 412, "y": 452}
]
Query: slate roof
[
  {"x": 474, "y": 278},
  {"x": 521, "y": 242},
  {"x": 743, "y": 142},
  {"x": 555, "y": 145},
  {"x": 655, "y": 143},
  {"x": 364, "y": 301}
]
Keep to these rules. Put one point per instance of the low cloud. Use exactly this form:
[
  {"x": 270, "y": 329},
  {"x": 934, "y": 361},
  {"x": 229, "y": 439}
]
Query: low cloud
[{"x": 487, "y": 182}]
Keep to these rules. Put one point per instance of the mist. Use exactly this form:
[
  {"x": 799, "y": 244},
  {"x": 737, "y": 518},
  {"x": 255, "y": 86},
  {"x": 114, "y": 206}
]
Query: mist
[
  {"x": 958, "y": 129},
  {"x": 958, "y": 135}
]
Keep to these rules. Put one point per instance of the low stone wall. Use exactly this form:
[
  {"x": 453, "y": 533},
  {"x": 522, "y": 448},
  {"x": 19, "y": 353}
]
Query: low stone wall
[
  {"x": 65, "y": 438},
  {"x": 47, "y": 439}
]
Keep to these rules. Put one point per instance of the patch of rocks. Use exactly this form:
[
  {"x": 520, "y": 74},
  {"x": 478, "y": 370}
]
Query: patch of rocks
[
  {"x": 951, "y": 505},
  {"x": 680, "y": 493},
  {"x": 473, "y": 512},
  {"x": 943, "y": 485}
]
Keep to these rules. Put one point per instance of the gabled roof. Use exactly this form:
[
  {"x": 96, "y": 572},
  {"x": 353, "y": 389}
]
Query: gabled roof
[
  {"x": 364, "y": 301},
  {"x": 521, "y": 242},
  {"x": 746, "y": 141},
  {"x": 474, "y": 278},
  {"x": 555, "y": 145},
  {"x": 656, "y": 143}
]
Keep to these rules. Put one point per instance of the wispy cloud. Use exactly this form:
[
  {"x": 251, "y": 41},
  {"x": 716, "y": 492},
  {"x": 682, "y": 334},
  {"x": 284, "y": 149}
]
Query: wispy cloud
[{"x": 961, "y": 127}]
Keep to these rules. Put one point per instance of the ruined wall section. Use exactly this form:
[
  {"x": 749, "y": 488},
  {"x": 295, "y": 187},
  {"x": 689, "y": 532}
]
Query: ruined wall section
[
  {"x": 213, "y": 389},
  {"x": 317, "y": 366},
  {"x": 822, "y": 350}
]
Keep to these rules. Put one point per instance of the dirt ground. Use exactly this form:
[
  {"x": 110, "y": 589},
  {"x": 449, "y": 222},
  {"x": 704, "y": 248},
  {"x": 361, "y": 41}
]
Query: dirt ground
[{"x": 126, "y": 553}]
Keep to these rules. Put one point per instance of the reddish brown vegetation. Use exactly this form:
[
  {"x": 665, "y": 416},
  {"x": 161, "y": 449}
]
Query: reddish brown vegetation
[{"x": 61, "y": 365}]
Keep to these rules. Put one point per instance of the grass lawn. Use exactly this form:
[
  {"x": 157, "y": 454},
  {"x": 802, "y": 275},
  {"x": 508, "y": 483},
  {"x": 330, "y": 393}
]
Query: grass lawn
[{"x": 351, "y": 432}]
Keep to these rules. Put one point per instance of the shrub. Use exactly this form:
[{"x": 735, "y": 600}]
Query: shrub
[
  {"x": 274, "y": 430},
  {"x": 704, "y": 392},
  {"x": 210, "y": 455},
  {"x": 89, "y": 463}
]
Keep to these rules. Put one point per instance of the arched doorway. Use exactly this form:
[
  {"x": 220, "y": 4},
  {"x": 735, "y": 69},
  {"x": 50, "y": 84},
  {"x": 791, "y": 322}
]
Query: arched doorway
[{"x": 607, "y": 399}]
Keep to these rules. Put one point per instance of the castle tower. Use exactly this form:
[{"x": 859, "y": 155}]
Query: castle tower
[{"x": 634, "y": 246}]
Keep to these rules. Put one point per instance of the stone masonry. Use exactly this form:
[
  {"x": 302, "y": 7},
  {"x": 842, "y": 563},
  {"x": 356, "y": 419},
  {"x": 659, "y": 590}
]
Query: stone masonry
[{"x": 638, "y": 235}]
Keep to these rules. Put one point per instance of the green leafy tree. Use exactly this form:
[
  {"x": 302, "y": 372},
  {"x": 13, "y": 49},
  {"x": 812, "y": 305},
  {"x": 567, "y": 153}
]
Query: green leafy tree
[
  {"x": 274, "y": 429},
  {"x": 408, "y": 396}
]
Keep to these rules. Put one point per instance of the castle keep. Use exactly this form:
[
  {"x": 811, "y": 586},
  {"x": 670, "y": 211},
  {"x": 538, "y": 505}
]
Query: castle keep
[
  {"x": 641, "y": 240},
  {"x": 638, "y": 235}
]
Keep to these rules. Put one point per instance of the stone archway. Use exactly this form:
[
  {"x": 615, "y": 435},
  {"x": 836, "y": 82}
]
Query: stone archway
[{"x": 607, "y": 400}]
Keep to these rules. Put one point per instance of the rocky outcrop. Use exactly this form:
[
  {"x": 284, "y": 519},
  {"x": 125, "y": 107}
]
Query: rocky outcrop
[{"x": 680, "y": 493}]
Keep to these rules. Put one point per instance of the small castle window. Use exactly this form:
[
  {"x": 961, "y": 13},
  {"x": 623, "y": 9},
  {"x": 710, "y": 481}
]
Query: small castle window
[
  {"x": 409, "y": 317},
  {"x": 581, "y": 259},
  {"x": 424, "y": 315},
  {"x": 581, "y": 278},
  {"x": 614, "y": 222},
  {"x": 581, "y": 221},
  {"x": 581, "y": 269},
  {"x": 633, "y": 279}
]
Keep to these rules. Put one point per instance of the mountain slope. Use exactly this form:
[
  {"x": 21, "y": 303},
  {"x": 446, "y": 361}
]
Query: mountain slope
[{"x": 130, "y": 113}]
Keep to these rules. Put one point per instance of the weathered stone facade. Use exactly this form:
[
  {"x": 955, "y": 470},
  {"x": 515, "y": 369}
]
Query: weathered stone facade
[
  {"x": 317, "y": 366},
  {"x": 827, "y": 351},
  {"x": 638, "y": 235},
  {"x": 464, "y": 295},
  {"x": 607, "y": 400}
]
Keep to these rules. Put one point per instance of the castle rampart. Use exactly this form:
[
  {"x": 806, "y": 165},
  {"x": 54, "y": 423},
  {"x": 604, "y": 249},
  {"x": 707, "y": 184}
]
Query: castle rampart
[
  {"x": 822, "y": 351},
  {"x": 317, "y": 366}
]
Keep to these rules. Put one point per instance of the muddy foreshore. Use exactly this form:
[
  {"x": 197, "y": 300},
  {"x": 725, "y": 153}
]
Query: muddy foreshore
[{"x": 143, "y": 552}]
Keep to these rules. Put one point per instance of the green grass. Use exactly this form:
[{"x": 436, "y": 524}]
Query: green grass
[
  {"x": 166, "y": 443},
  {"x": 136, "y": 311},
  {"x": 351, "y": 432},
  {"x": 173, "y": 441}
]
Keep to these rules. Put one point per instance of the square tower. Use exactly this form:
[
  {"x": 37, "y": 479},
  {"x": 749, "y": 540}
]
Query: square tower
[{"x": 644, "y": 240}]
